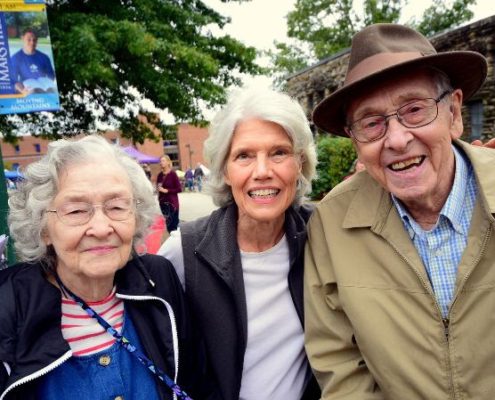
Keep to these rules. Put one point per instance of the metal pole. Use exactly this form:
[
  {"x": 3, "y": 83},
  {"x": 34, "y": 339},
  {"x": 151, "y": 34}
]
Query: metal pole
[{"x": 190, "y": 154}]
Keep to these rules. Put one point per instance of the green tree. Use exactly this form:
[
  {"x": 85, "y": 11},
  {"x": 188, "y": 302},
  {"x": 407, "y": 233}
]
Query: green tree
[
  {"x": 320, "y": 28},
  {"x": 110, "y": 55},
  {"x": 335, "y": 158}
]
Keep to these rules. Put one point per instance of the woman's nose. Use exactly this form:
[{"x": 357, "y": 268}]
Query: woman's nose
[
  {"x": 100, "y": 223},
  {"x": 262, "y": 168}
]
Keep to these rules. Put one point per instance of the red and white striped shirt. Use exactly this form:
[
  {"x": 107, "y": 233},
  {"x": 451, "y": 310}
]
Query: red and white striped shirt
[{"x": 83, "y": 333}]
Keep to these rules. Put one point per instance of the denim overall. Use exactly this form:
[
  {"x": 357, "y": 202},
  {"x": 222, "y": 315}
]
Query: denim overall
[{"x": 112, "y": 374}]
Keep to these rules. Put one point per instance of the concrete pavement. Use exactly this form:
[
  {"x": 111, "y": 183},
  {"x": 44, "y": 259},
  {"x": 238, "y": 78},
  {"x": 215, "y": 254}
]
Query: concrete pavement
[{"x": 193, "y": 205}]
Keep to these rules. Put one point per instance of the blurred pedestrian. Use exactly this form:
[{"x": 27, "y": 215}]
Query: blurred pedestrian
[
  {"x": 168, "y": 186},
  {"x": 147, "y": 170},
  {"x": 356, "y": 167},
  {"x": 198, "y": 177},
  {"x": 189, "y": 176}
]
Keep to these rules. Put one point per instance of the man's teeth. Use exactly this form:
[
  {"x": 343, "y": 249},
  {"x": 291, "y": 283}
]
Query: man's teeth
[
  {"x": 263, "y": 192},
  {"x": 399, "y": 166}
]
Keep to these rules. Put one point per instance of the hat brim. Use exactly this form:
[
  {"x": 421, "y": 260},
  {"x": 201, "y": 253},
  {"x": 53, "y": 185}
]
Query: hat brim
[{"x": 466, "y": 69}]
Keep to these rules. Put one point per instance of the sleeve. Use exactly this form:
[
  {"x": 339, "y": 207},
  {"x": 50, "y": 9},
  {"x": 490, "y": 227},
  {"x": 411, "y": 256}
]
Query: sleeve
[
  {"x": 175, "y": 187},
  {"x": 332, "y": 350},
  {"x": 47, "y": 66},
  {"x": 171, "y": 249}
]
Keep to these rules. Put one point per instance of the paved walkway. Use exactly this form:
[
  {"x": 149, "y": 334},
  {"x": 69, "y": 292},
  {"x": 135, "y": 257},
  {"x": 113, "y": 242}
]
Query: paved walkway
[{"x": 193, "y": 205}]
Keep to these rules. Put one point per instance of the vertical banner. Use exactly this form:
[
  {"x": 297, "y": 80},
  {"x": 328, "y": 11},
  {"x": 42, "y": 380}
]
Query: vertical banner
[{"x": 27, "y": 72}]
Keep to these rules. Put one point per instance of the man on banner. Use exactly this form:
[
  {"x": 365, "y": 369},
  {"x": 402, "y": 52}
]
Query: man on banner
[{"x": 32, "y": 70}]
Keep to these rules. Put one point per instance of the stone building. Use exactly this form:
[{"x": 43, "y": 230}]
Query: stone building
[{"x": 314, "y": 83}]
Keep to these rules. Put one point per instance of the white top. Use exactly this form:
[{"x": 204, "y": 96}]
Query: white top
[{"x": 275, "y": 365}]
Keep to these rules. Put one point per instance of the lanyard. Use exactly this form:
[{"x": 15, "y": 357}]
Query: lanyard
[{"x": 126, "y": 344}]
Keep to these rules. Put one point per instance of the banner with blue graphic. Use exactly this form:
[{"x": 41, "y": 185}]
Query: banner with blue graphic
[{"x": 27, "y": 73}]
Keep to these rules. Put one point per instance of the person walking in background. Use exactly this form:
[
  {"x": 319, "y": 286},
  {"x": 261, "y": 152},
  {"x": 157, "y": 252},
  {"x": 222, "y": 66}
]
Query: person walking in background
[
  {"x": 147, "y": 170},
  {"x": 242, "y": 266},
  {"x": 198, "y": 177},
  {"x": 168, "y": 186},
  {"x": 400, "y": 260},
  {"x": 83, "y": 316},
  {"x": 189, "y": 176},
  {"x": 357, "y": 166}
]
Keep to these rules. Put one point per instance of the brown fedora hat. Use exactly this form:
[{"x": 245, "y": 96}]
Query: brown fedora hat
[{"x": 381, "y": 50}]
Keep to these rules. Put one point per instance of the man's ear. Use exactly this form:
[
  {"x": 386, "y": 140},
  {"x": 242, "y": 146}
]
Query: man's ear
[{"x": 456, "y": 125}]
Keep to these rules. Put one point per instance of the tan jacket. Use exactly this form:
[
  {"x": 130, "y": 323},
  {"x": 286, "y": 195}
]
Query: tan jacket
[{"x": 373, "y": 327}]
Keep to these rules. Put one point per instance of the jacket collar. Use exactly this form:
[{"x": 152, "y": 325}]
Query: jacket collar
[
  {"x": 134, "y": 279},
  {"x": 221, "y": 233}
]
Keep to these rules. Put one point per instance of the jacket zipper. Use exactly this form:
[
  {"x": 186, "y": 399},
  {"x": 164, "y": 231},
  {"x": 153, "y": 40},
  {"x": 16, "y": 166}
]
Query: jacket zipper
[
  {"x": 38, "y": 374},
  {"x": 175, "y": 339},
  {"x": 445, "y": 321}
]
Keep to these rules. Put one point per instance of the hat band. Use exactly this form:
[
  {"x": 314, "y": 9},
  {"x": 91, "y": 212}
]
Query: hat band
[{"x": 379, "y": 62}]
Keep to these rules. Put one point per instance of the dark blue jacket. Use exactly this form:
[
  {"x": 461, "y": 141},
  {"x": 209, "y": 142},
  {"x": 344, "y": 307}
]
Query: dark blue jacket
[{"x": 31, "y": 341}]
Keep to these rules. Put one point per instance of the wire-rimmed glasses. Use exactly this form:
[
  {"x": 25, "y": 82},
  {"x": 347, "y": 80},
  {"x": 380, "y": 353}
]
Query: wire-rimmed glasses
[
  {"x": 416, "y": 114},
  {"x": 74, "y": 213}
]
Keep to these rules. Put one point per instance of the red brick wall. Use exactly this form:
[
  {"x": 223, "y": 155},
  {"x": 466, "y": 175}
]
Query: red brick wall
[{"x": 194, "y": 137}]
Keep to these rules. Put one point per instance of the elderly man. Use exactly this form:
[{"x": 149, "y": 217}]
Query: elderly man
[{"x": 400, "y": 262}]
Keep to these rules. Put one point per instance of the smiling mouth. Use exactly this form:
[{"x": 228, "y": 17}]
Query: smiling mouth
[
  {"x": 263, "y": 193},
  {"x": 404, "y": 165}
]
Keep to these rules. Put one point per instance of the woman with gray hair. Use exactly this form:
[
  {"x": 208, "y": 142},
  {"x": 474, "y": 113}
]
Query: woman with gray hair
[
  {"x": 84, "y": 316},
  {"x": 242, "y": 266}
]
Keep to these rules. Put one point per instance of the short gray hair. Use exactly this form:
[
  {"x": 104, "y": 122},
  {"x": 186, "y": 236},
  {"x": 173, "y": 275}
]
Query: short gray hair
[
  {"x": 266, "y": 105},
  {"x": 27, "y": 217}
]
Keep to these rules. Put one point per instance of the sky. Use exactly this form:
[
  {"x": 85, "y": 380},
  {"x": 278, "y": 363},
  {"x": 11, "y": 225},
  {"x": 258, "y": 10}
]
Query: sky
[{"x": 259, "y": 23}]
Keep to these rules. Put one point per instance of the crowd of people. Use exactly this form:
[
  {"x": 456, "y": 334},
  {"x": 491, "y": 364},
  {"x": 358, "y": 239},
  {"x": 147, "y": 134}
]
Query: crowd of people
[{"x": 382, "y": 290}]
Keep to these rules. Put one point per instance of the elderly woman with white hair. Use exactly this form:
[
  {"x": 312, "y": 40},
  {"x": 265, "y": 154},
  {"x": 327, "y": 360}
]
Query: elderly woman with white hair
[
  {"x": 242, "y": 266},
  {"x": 84, "y": 316}
]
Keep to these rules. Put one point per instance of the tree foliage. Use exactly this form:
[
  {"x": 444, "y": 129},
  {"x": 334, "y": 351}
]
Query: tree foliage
[
  {"x": 110, "y": 55},
  {"x": 320, "y": 28},
  {"x": 335, "y": 158}
]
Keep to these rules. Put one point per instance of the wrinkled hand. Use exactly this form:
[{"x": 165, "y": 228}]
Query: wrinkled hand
[{"x": 490, "y": 144}]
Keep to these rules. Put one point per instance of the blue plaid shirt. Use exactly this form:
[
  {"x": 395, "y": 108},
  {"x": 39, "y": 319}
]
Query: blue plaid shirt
[{"x": 441, "y": 248}]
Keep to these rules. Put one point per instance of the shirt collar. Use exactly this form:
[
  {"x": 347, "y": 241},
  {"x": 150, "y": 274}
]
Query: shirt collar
[{"x": 453, "y": 207}]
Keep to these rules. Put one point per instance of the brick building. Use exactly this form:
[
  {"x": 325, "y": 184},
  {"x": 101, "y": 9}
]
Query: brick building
[
  {"x": 314, "y": 83},
  {"x": 187, "y": 149}
]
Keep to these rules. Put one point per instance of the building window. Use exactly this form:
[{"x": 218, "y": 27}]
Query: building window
[
  {"x": 37, "y": 147},
  {"x": 17, "y": 149},
  {"x": 476, "y": 114}
]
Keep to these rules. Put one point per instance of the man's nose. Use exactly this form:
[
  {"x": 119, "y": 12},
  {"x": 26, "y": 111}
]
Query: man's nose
[{"x": 397, "y": 136}]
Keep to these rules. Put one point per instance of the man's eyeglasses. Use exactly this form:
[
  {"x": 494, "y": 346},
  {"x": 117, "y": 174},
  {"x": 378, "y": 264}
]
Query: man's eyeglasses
[
  {"x": 415, "y": 114},
  {"x": 76, "y": 213}
]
